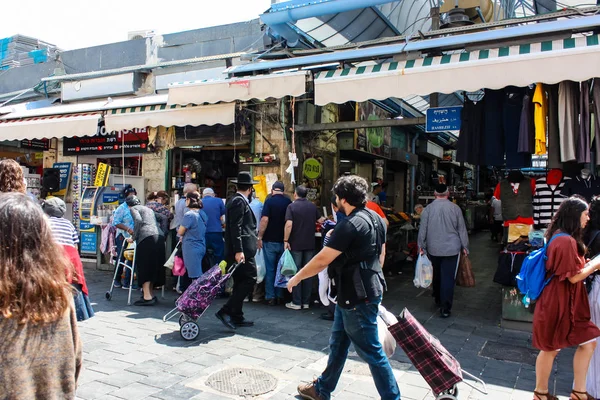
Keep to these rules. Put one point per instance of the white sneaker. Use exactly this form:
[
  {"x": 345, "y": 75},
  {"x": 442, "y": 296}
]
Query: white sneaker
[
  {"x": 293, "y": 306},
  {"x": 305, "y": 306}
]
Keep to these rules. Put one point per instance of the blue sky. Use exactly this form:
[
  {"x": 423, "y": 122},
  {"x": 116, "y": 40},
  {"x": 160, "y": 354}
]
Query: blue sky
[{"x": 72, "y": 24}]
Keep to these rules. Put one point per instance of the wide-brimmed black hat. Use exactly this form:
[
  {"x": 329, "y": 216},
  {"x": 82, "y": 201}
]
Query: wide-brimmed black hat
[{"x": 244, "y": 178}]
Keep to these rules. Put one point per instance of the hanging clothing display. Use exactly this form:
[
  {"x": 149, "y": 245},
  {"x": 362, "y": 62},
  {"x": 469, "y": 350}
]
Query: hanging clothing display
[
  {"x": 596, "y": 117},
  {"x": 494, "y": 128},
  {"x": 547, "y": 200},
  {"x": 568, "y": 119},
  {"x": 586, "y": 187},
  {"x": 517, "y": 201},
  {"x": 527, "y": 127},
  {"x": 540, "y": 119},
  {"x": 471, "y": 132},
  {"x": 583, "y": 139},
  {"x": 553, "y": 144},
  {"x": 513, "y": 104}
]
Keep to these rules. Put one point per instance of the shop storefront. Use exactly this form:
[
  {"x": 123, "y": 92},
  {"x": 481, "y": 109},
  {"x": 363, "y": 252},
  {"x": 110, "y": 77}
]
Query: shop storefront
[{"x": 30, "y": 155}]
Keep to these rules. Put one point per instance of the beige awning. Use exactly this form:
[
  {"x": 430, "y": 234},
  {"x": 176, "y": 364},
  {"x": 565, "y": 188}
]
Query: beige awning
[
  {"x": 55, "y": 126},
  {"x": 173, "y": 115},
  {"x": 549, "y": 62},
  {"x": 246, "y": 88}
]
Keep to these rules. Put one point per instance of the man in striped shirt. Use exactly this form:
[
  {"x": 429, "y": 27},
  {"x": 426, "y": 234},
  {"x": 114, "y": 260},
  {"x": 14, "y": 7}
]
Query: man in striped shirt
[{"x": 63, "y": 231}]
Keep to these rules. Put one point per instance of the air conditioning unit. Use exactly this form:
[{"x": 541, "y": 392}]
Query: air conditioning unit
[{"x": 134, "y": 35}]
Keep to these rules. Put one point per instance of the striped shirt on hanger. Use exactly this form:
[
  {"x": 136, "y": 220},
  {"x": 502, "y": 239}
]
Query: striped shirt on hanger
[{"x": 546, "y": 200}]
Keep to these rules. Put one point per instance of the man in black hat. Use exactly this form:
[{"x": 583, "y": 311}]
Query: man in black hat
[
  {"x": 240, "y": 247},
  {"x": 443, "y": 236}
]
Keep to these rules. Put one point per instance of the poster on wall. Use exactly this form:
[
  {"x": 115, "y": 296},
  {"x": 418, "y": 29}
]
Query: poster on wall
[
  {"x": 312, "y": 177},
  {"x": 65, "y": 177},
  {"x": 376, "y": 141},
  {"x": 103, "y": 142}
]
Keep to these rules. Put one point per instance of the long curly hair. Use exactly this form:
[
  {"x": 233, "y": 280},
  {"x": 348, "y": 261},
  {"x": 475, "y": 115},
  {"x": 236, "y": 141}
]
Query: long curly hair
[
  {"x": 11, "y": 177},
  {"x": 33, "y": 273},
  {"x": 568, "y": 220}
]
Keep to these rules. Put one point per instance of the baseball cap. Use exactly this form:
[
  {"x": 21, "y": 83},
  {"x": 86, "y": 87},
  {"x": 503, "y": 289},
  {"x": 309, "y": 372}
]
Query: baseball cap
[
  {"x": 278, "y": 186},
  {"x": 207, "y": 191},
  {"x": 129, "y": 190}
]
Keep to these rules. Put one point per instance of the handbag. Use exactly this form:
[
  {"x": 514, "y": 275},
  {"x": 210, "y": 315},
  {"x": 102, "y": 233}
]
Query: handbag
[
  {"x": 465, "y": 275},
  {"x": 171, "y": 261}
]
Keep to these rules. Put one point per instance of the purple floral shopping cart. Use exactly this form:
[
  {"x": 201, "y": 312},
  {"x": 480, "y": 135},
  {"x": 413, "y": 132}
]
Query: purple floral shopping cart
[{"x": 197, "y": 298}]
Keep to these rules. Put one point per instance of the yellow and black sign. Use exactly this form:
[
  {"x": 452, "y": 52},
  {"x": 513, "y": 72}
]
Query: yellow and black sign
[
  {"x": 102, "y": 175},
  {"x": 312, "y": 168}
]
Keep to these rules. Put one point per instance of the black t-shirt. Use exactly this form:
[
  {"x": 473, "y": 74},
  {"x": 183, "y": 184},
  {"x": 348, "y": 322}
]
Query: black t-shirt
[
  {"x": 304, "y": 216},
  {"x": 275, "y": 208},
  {"x": 355, "y": 238}
]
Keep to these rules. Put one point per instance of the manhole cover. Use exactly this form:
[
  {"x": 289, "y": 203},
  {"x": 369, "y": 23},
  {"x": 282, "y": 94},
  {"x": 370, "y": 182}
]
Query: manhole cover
[
  {"x": 504, "y": 352},
  {"x": 242, "y": 381}
]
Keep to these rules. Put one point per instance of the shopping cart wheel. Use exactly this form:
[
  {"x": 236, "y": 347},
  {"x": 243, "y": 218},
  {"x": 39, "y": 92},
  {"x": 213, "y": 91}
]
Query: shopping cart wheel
[
  {"x": 451, "y": 394},
  {"x": 183, "y": 319},
  {"x": 108, "y": 295},
  {"x": 189, "y": 330}
]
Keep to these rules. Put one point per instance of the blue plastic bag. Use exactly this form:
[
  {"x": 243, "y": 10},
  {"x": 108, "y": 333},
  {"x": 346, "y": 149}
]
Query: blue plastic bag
[{"x": 281, "y": 281}]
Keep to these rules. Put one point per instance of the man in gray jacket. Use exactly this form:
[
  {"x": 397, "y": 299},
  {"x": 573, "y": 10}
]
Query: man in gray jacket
[{"x": 443, "y": 235}]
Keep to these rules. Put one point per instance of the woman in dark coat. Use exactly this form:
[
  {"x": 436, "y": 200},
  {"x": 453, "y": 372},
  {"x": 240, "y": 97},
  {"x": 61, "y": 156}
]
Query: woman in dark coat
[
  {"x": 149, "y": 252},
  {"x": 562, "y": 313}
]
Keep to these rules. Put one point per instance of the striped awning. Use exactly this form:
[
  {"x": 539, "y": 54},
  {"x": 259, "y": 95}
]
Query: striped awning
[
  {"x": 550, "y": 62},
  {"x": 47, "y": 127},
  {"x": 276, "y": 85},
  {"x": 169, "y": 115}
]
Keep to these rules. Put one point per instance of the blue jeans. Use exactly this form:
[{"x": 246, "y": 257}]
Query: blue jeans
[
  {"x": 359, "y": 327},
  {"x": 301, "y": 293},
  {"x": 214, "y": 241},
  {"x": 272, "y": 253}
]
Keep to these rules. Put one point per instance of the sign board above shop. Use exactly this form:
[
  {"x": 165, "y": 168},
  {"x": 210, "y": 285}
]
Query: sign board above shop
[
  {"x": 442, "y": 119},
  {"x": 103, "y": 142}
]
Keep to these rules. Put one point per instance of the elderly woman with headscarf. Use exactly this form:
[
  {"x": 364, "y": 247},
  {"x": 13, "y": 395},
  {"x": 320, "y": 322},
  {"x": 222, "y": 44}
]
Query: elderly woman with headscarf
[
  {"x": 149, "y": 252},
  {"x": 66, "y": 236}
]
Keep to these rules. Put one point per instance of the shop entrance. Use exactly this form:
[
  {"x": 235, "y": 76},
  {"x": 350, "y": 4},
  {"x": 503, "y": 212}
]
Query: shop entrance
[{"x": 212, "y": 167}]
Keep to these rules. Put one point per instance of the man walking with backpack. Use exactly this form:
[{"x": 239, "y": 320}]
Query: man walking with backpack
[
  {"x": 443, "y": 236},
  {"x": 354, "y": 254}
]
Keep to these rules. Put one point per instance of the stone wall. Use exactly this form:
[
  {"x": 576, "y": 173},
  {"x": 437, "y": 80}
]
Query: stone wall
[{"x": 154, "y": 168}]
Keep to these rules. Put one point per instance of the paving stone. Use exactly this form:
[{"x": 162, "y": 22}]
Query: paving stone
[
  {"x": 162, "y": 381},
  {"x": 109, "y": 367},
  {"x": 135, "y": 391},
  {"x": 121, "y": 379},
  {"x": 94, "y": 390},
  {"x": 177, "y": 392}
]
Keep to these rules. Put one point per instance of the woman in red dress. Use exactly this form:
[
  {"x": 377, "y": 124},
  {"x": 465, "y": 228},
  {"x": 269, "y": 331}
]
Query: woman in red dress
[{"x": 562, "y": 313}]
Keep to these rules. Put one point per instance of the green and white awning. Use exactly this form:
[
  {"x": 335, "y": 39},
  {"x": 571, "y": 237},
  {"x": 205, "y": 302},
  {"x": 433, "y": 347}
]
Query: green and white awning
[
  {"x": 169, "y": 115},
  {"x": 550, "y": 62}
]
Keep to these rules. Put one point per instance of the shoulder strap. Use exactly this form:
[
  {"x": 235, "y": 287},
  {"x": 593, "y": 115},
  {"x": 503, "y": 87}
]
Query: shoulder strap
[
  {"x": 375, "y": 225},
  {"x": 555, "y": 236}
]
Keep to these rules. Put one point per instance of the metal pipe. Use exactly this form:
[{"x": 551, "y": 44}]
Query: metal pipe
[
  {"x": 292, "y": 11},
  {"x": 413, "y": 173},
  {"x": 448, "y": 42}
]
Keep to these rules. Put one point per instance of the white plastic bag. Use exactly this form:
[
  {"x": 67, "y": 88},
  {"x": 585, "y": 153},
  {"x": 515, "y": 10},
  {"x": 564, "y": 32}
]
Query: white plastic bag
[
  {"x": 423, "y": 272},
  {"x": 261, "y": 269},
  {"x": 385, "y": 318}
]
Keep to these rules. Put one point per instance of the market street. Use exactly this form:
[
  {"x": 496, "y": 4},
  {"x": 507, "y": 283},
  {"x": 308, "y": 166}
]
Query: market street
[{"x": 129, "y": 353}]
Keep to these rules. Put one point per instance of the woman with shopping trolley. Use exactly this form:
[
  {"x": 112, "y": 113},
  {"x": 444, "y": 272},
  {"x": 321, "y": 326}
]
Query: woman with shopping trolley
[{"x": 149, "y": 251}]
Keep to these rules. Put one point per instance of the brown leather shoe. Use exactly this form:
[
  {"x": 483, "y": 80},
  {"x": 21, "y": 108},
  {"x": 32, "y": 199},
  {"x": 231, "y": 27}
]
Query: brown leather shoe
[{"x": 308, "y": 391}]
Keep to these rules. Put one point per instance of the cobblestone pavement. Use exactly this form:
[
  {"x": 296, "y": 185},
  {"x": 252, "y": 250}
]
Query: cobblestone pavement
[{"x": 130, "y": 353}]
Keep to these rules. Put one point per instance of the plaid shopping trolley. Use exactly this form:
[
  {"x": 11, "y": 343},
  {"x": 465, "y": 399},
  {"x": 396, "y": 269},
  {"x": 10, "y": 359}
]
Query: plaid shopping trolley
[{"x": 438, "y": 367}]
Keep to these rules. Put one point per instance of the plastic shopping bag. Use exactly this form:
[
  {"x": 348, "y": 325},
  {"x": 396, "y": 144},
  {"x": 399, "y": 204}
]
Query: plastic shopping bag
[
  {"x": 423, "y": 272},
  {"x": 281, "y": 281},
  {"x": 178, "y": 267},
  {"x": 288, "y": 266},
  {"x": 171, "y": 261},
  {"x": 261, "y": 269},
  {"x": 385, "y": 318}
]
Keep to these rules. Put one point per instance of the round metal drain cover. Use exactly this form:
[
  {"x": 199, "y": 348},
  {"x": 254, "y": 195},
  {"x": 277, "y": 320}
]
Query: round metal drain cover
[{"x": 242, "y": 381}]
